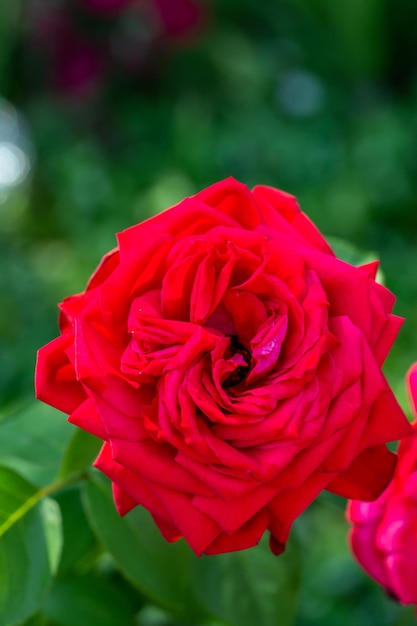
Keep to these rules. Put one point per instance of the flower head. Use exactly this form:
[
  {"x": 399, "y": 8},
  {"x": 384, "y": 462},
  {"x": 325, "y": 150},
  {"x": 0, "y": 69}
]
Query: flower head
[
  {"x": 232, "y": 366},
  {"x": 384, "y": 534}
]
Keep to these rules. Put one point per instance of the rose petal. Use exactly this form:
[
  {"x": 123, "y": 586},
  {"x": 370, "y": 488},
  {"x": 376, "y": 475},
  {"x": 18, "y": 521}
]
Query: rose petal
[
  {"x": 55, "y": 381},
  {"x": 368, "y": 475}
]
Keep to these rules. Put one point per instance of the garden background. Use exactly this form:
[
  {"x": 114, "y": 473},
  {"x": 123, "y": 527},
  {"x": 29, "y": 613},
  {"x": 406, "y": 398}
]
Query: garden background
[{"x": 107, "y": 117}]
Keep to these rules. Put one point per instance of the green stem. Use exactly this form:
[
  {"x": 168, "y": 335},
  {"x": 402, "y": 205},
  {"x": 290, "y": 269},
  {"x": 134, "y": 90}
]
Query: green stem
[{"x": 37, "y": 497}]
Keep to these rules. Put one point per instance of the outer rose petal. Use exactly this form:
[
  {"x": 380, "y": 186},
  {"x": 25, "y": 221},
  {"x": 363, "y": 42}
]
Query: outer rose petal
[
  {"x": 87, "y": 417},
  {"x": 231, "y": 364},
  {"x": 362, "y": 480},
  {"x": 402, "y": 556},
  {"x": 412, "y": 386},
  {"x": 277, "y": 206},
  {"x": 384, "y": 534},
  {"x": 107, "y": 266},
  {"x": 235, "y": 200},
  {"x": 363, "y": 545},
  {"x": 293, "y": 501},
  {"x": 55, "y": 381},
  {"x": 247, "y": 536}
]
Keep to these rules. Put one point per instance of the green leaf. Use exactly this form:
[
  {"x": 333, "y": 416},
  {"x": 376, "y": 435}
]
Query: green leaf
[
  {"x": 162, "y": 571},
  {"x": 91, "y": 600},
  {"x": 151, "y": 615},
  {"x": 33, "y": 441},
  {"x": 80, "y": 453},
  {"x": 248, "y": 587},
  {"x": 30, "y": 545},
  {"x": 36, "y": 620}
]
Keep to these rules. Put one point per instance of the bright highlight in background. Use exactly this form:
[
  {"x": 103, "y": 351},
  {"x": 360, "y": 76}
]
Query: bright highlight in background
[
  {"x": 14, "y": 165},
  {"x": 14, "y": 148}
]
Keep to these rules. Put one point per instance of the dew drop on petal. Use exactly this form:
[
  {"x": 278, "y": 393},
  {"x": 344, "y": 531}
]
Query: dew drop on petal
[{"x": 268, "y": 348}]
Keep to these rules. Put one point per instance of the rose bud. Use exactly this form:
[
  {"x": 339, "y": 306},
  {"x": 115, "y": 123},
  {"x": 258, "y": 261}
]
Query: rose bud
[
  {"x": 232, "y": 366},
  {"x": 384, "y": 534}
]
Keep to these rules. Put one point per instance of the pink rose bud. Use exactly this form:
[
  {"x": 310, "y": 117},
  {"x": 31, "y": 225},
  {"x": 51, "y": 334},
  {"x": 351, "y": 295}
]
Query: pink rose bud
[
  {"x": 384, "y": 534},
  {"x": 232, "y": 366}
]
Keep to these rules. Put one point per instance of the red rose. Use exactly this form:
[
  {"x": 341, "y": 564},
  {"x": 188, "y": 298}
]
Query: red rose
[
  {"x": 384, "y": 535},
  {"x": 76, "y": 63},
  {"x": 232, "y": 366}
]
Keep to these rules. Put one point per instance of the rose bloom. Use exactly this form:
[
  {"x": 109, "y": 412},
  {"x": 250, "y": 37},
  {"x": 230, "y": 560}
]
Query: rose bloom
[
  {"x": 384, "y": 535},
  {"x": 78, "y": 67},
  {"x": 76, "y": 63},
  {"x": 231, "y": 364}
]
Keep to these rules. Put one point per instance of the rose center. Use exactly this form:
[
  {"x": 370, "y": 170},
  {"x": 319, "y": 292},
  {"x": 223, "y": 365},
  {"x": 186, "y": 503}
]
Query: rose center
[{"x": 240, "y": 372}]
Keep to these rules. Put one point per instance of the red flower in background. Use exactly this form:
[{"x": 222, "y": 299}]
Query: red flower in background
[
  {"x": 80, "y": 57},
  {"x": 78, "y": 64},
  {"x": 75, "y": 62},
  {"x": 176, "y": 18},
  {"x": 384, "y": 534},
  {"x": 232, "y": 366}
]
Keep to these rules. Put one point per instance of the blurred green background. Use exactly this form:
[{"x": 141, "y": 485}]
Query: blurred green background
[{"x": 108, "y": 116}]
